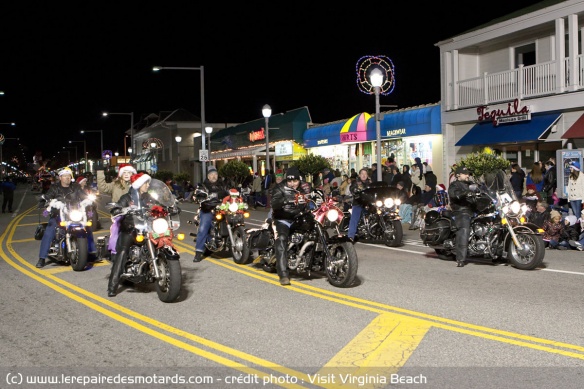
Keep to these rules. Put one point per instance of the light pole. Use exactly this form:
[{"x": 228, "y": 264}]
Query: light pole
[
  {"x": 84, "y": 150},
  {"x": 267, "y": 112},
  {"x": 105, "y": 114},
  {"x": 209, "y": 130},
  {"x": 202, "y": 70},
  {"x": 76, "y": 160},
  {"x": 178, "y": 139},
  {"x": 101, "y": 139},
  {"x": 126, "y": 150},
  {"x": 376, "y": 78},
  {"x": 1, "y": 147}
]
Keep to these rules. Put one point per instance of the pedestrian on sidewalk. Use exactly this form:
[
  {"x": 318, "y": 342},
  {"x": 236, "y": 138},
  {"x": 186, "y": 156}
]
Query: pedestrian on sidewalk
[{"x": 8, "y": 189}]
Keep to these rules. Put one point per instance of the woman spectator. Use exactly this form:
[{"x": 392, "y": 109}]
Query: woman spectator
[
  {"x": 549, "y": 181},
  {"x": 417, "y": 176},
  {"x": 535, "y": 176},
  {"x": 575, "y": 188},
  {"x": 407, "y": 178},
  {"x": 517, "y": 179}
]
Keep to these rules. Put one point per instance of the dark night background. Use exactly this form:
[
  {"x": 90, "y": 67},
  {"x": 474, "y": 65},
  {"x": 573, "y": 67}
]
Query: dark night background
[{"x": 62, "y": 66}]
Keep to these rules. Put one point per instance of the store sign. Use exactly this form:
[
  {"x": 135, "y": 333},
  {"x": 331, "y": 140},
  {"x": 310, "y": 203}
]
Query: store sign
[
  {"x": 399, "y": 132},
  {"x": 284, "y": 148},
  {"x": 257, "y": 135},
  {"x": 322, "y": 142},
  {"x": 513, "y": 113},
  {"x": 359, "y": 136}
]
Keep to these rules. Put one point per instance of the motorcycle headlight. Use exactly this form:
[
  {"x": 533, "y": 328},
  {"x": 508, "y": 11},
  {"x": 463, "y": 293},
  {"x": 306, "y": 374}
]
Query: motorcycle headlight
[
  {"x": 397, "y": 202},
  {"x": 233, "y": 207},
  {"x": 91, "y": 197},
  {"x": 160, "y": 225},
  {"x": 76, "y": 215},
  {"x": 388, "y": 203},
  {"x": 332, "y": 215},
  {"x": 378, "y": 203},
  {"x": 515, "y": 207}
]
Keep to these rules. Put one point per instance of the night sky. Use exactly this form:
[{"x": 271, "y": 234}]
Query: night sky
[{"x": 62, "y": 66}]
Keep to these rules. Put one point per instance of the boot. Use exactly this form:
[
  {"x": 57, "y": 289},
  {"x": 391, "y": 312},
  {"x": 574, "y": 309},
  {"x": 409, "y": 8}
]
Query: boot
[
  {"x": 198, "y": 257},
  {"x": 114, "y": 278},
  {"x": 460, "y": 263},
  {"x": 281, "y": 263},
  {"x": 40, "y": 263}
]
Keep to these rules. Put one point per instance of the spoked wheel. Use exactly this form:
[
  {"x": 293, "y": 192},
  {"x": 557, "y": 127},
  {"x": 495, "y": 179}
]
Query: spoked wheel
[
  {"x": 530, "y": 253},
  {"x": 341, "y": 267},
  {"x": 169, "y": 284},
  {"x": 78, "y": 254},
  {"x": 270, "y": 266},
  {"x": 240, "y": 249},
  {"x": 394, "y": 234}
]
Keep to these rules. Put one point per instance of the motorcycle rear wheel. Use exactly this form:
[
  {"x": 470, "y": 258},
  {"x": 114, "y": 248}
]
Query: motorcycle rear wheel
[
  {"x": 240, "y": 248},
  {"x": 78, "y": 255},
  {"x": 530, "y": 260},
  {"x": 341, "y": 268},
  {"x": 169, "y": 285}
]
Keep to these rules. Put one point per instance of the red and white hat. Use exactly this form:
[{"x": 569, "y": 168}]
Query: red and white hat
[
  {"x": 139, "y": 179},
  {"x": 233, "y": 193},
  {"x": 81, "y": 179},
  {"x": 441, "y": 187},
  {"x": 126, "y": 167}
]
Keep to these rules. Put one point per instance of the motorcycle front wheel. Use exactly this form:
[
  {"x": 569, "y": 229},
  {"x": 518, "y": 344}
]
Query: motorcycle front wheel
[
  {"x": 530, "y": 255},
  {"x": 240, "y": 249},
  {"x": 392, "y": 237},
  {"x": 78, "y": 254},
  {"x": 341, "y": 267},
  {"x": 169, "y": 284}
]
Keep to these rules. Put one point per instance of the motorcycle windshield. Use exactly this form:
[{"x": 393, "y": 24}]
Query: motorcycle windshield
[
  {"x": 498, "y": 182},
  {"x": 160, "y": 192}
]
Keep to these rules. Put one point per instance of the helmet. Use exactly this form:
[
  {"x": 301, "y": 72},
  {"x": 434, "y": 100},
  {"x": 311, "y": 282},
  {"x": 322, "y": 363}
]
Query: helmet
[{"x": 431, "y": 217}]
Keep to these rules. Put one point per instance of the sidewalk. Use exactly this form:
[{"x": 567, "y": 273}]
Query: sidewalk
[{"x": 24, "y": 199}]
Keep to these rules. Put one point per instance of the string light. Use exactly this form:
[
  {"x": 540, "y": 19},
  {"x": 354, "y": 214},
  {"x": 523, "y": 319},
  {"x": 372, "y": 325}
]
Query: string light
[{"x": 364, "y": 67}]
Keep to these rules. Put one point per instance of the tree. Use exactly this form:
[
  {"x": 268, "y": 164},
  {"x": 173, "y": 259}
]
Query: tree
[
  {"x": 486, "y": 166},
  {"x": 235, "y": 170},
  {"x": 311, "y": 164}
]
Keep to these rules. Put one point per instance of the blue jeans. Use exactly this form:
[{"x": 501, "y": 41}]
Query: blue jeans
[
  {"x": 354, "y": 221},
  {"x": 50, "y": 233},
  {"x": 205, "y": 221},
  {"x": 576, "y": 206}
]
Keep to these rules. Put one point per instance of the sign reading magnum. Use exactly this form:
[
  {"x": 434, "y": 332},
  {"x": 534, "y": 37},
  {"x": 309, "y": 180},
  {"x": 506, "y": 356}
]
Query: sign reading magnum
[
  {"x": 257, "y": 135},
  {"x": 511, "y": 114}
]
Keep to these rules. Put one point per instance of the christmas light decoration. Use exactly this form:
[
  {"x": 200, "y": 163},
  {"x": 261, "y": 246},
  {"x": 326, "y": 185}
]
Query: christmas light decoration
[{"x": 364, "y": 67}]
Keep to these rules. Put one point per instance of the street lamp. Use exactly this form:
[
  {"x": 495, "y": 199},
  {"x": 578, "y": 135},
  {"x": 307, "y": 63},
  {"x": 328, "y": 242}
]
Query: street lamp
[
  {"x": 101, "y": 138},
  {"x": 267, "y": 112},
  {"x": 178, "y": 139},
  {"x": 84, "y": 150},
  {"x": 10, "y": 124},
  {"x": 105, "y": 114},
  {"x": 376, "y": 79},
  {"x": 202, "y": 70},
  {"x": 76, "y": 160}
]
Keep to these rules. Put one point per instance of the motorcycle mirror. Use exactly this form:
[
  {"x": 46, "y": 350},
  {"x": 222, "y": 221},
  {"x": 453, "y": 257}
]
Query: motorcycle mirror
[{"x": 473, "y": 187}]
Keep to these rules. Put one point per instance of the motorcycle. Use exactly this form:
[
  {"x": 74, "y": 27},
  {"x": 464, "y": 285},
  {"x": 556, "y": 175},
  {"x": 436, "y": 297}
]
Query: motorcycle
[
  {"x": 227, "y": 230},
  {"x": 380, "y": 219},
  {"x": 498, "y": 229},
  {"x": 70, "y": 246},
  {"x": 152, "y": 257},
  {"x": 315, "y": 243}
]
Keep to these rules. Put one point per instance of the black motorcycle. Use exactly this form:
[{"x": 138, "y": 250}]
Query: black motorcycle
[
  {"x": 315, "y": 243},
  {"x": 498, "y": 231},
  {"x": 380, "y": 219}
]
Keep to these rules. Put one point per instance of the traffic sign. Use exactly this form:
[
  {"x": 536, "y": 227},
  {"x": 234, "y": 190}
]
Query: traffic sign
[{"x": 203, "y": 155}]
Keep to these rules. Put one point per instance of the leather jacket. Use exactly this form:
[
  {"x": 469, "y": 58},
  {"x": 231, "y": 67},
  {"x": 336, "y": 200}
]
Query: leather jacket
[
  {"x": 359, "y": 186},
  {"x": 66, "y": 194},
  {"x": 216, "y": 190},
  {"x": 550, "y": 180},
  {"x": 284, "y": 200},
  {"x": 458, "y": 192}
]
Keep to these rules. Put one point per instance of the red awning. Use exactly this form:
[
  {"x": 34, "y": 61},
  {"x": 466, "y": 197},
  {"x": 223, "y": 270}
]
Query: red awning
[{"x": 576, "y": 131}]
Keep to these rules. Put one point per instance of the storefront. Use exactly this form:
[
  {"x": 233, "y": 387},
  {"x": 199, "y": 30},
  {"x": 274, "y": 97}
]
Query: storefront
[
  {"x": 405, "y": 135},
  {"x": 247, "y": 141}
]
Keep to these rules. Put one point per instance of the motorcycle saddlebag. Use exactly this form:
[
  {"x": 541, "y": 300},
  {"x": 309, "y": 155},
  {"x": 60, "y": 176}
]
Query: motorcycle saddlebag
[
  {"x": 436, "y": 232},
  {"x": 259, "y": 239},
  {"x": 40, "y": 231}
]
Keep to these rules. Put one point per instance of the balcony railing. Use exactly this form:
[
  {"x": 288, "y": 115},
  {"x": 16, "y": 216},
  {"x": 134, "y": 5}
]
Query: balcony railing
[{"x": 524, "y": 82}]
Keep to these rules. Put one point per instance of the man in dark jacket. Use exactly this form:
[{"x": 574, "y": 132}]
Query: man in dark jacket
[
  {"x": 461, "y": 203},
  {"x": 214, "y": 190},
  {"x": 288, "y": 200},
  {"x": 8, "y": 189},
  {"x": 550, "y": 180},
  {"x": 360, "y": 184},
  {"x": 517, "y": 180}
]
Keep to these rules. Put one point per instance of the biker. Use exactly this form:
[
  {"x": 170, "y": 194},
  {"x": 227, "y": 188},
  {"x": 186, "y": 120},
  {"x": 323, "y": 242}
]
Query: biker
[
  {"x": 136, "y": 197},
  {"x": 461, "y": 205},
  {"x": 215, "y": 190},
  {"x": 65, "y": 189},
  {"x": 360, "y": 184}
]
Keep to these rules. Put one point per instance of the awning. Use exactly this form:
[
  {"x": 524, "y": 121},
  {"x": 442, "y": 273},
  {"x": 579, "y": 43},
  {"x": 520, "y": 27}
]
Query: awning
[
  {"x": 488, "y": 134},
  {"x": 576, "y": 130},
  {"x": 323, "y": 135},
  {"x": 243, "y": 152}
]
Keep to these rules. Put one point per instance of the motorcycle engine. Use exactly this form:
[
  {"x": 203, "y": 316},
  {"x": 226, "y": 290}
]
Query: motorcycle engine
[
  {"x": 479, "y": 240},
  {"x": 134, "y": 254},
  {"x": 296, "y": 238}
]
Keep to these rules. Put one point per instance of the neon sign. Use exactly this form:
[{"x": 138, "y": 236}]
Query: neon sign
[{"x": 257, "y": 135}]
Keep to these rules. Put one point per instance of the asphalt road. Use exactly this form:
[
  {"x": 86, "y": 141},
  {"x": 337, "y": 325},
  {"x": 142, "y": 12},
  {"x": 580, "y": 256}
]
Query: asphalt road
[{"x": 411, "y": 319}]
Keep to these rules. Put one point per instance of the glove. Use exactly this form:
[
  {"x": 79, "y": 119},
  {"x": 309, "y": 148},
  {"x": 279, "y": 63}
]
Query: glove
[{"x": 213, "y": 195}]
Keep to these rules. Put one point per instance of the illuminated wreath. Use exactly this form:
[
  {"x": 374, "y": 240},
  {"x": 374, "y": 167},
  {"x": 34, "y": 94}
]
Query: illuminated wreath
[{"x": 364, "y": 67}]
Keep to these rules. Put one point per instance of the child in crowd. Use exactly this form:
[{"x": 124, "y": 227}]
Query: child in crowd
[
  {"x": 570, "y": 232},
  {"x": 532, "y": 196},
  {"x": 578, "y": 244},
  {"x": 552, "y": 230}
]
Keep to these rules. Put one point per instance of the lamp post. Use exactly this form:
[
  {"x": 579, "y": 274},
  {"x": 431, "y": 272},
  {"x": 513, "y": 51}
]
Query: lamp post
[
  {"x": 209, "y": 130},
  {"x": 101, "y": 139},
  {"x": 84, "y": 150},
  {"x": 126, "y": 150},
  {"x": 376, "y": 78},
  {"x": 1, "y": 147},
  {"x": 178, "y": 139},
  {"x": 267, "y": 112},
  {"x": 202, "y": 70},
  {"x": 76, "y": 160},
  {"x": 105, "y": 114}
]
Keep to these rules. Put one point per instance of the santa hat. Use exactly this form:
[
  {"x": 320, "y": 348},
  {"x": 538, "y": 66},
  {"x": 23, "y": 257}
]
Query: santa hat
[
  {"x": 531, "y": 187},
  {"x": 81, "y": 179},
  {"x": 66, "y": 171},
  {"x": 126, "y": 167},
  {"x": 140, "y": 179},
  {"x": 441, "y": 187},
  {"x": 233, "y": 192}
]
